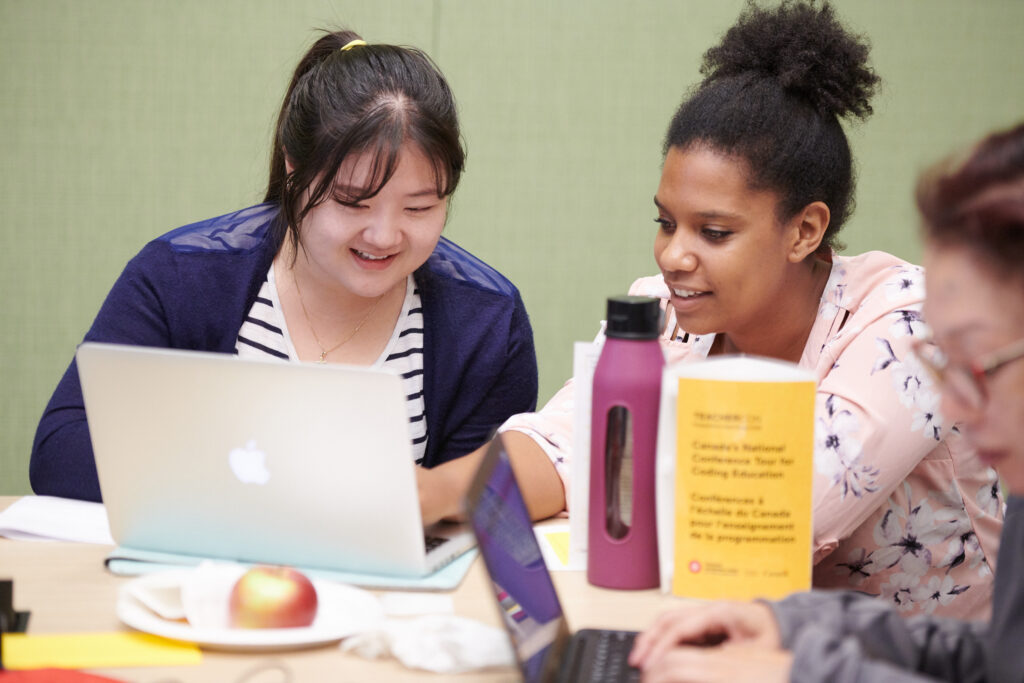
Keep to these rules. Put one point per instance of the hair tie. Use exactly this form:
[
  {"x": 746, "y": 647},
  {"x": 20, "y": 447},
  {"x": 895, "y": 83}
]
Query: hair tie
[{"x": 351, "y": 44}]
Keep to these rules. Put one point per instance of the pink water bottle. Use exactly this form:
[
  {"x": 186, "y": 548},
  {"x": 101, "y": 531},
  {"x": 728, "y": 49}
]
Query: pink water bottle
[{"x": 622, "y": 547}]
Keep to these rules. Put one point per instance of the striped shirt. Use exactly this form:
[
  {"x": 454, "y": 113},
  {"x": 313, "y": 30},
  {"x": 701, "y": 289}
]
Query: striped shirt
[{"x": 264, "y": 332}]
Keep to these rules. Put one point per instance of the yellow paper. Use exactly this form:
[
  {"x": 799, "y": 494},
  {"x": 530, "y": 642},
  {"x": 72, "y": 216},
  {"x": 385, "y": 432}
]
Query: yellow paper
[
  {"x": 744, "y": 458},
  {"x": 95, "y": 650},
  {"x": 559, "y": 542}
]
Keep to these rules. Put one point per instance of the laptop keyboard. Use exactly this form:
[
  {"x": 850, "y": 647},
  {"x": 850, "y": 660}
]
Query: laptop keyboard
[
  {"x": 604, "y": 657},
  {"x": 432, "y": 542}
]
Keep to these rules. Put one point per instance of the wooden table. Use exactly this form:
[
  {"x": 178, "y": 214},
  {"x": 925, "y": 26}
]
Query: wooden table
[{"x": 67, "y": 589}]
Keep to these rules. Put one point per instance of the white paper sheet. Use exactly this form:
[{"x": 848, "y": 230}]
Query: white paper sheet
[
  {"x": 585, "y": 355},
  {"x": 46, "y": 518}
]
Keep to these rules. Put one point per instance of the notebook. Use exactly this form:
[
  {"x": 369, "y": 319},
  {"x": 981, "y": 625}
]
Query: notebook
[
  {"x": 525, "y": 594},
  {"x": 210, "y": 455}
]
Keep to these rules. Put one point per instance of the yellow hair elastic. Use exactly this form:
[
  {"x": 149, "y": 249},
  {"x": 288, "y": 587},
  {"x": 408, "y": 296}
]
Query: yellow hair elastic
[{"x": 352, "y": 43}]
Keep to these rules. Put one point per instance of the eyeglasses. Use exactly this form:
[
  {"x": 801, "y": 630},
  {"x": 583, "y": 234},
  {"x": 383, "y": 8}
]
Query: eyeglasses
[{"x": 966, "y": 382}]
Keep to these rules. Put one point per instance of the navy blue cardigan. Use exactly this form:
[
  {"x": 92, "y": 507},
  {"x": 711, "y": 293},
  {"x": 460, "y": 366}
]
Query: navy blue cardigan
[{"x": 191, "y": 288}]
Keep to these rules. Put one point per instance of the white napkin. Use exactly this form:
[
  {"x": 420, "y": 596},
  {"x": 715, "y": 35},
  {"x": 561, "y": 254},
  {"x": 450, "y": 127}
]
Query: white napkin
[
  {"x": 200, "y": 595},
  {"x": 206, "y": 594},
  {"x": 440, "y": 643}
]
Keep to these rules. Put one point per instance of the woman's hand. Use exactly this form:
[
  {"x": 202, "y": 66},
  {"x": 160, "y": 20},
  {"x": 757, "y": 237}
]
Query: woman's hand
[
  {"x": 750, "y": 624},
  {"x": 443, "y": 489},
  {"x": 722, "y": 664}
]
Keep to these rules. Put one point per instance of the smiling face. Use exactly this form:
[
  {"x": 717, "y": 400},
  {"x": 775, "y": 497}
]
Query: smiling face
[
  {"x": 366, "y": 248},
  {"x": 973, "y": 312},
  {"x": 721, "y": 248}
]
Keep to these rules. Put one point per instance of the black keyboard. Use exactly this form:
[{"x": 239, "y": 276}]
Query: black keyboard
[
  {"x": 601, "y": 656},
  {"x": 432, "y": 542}
]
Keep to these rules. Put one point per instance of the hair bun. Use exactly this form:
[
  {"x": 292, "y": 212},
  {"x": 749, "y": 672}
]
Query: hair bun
[{"x": 805, "y": 49}]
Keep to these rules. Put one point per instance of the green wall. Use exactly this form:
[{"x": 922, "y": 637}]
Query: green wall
[{"x": 121, "y": 119}]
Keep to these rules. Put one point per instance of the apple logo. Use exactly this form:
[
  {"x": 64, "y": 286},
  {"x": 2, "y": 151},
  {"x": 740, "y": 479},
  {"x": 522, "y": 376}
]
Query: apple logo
[{"x": 249, "y": 464}]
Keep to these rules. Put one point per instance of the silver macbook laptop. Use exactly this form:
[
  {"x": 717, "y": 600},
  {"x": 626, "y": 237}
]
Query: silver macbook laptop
[{"x": 258, "y": 461}]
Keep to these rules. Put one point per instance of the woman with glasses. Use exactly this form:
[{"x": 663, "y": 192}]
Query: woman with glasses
[
  {"x": 756, "y": 184},
  {"x": 973, "y": 215}
]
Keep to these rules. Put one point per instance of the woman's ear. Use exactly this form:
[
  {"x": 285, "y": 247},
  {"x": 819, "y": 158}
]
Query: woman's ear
[
  {"x": 288, "y": 165},
  {"x": 808, "y": 230}
]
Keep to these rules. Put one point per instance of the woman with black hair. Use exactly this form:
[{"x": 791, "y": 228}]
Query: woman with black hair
[
  {"x": 973, "y": 216},
  {"x": 343, "y": 263},
  {"x": 756, "y": 183}
]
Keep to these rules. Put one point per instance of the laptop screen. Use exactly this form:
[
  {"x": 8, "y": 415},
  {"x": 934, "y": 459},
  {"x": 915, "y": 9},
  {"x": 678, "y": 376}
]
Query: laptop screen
[{"x": 522, "y": 584}]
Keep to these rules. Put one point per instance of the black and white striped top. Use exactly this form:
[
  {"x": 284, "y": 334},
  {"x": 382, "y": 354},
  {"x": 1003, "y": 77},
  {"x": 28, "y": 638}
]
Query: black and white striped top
[{"x": 264, "y": 333}]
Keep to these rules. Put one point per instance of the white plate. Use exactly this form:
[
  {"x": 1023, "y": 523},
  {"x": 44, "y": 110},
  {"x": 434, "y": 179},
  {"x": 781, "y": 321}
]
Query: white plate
[{"x": 342, "y": 611}]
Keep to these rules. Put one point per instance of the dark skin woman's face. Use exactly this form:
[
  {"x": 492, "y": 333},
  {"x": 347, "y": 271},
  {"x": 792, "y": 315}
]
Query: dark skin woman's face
[{"x": 724, "y": 254}]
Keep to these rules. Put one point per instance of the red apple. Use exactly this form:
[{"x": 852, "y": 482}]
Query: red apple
[{"x": 272, "y": 597}]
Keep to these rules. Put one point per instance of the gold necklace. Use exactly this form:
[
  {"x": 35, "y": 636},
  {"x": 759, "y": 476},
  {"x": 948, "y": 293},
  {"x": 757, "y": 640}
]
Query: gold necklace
[{"x": 305, "y": 314}]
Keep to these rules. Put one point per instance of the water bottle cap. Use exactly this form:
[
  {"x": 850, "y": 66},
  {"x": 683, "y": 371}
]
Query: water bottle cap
[{"x": 633, "y": 317}]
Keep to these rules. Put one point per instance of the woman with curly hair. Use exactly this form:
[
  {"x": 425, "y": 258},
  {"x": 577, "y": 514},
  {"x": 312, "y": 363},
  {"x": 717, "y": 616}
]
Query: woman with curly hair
[
  {"x": 973, "y": 215},
  {"x": 756, "y": 184}
]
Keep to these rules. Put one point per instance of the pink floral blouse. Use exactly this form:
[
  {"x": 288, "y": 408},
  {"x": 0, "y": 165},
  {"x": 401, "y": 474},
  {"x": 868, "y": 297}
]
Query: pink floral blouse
[{"x": 902, "y": 509}]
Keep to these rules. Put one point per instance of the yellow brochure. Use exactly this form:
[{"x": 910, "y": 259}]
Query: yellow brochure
[{"x": 739, "y": 461}]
